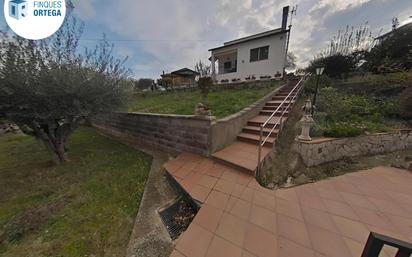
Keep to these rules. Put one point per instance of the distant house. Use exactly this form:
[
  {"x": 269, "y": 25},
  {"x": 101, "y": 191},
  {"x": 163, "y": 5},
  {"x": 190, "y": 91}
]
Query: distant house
[
  {"x": 260, "y": 56},
  {"x": 182, "y": 78}
]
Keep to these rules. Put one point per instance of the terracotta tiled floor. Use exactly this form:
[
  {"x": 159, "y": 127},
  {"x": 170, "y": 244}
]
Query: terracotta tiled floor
[
  {"x": 245, "y": 155},
  {"x": 329, "y": 218}
]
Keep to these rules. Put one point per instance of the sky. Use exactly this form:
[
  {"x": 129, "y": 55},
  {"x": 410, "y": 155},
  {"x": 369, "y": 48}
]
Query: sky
[{"x": 166, "y": 35}]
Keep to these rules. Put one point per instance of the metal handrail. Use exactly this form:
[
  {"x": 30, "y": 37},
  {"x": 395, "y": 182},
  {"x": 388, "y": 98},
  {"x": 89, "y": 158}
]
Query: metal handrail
[
  {"x": 277, "y": 109},
  {"x": 279, "y": 122}
]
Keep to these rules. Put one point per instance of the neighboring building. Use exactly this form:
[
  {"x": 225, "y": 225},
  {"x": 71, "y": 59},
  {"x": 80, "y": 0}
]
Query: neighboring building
[
  {"x": 182, "y": 78},
  {"x": 260, "y": 56},
  {"x": 387, "y": 35}
]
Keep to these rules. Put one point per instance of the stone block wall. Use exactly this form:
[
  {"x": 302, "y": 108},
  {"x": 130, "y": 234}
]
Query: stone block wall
[
  {"x": 178, "y": 133},
  {"x": 169, "y": 133},
  {"x": 323, "y": 150}
]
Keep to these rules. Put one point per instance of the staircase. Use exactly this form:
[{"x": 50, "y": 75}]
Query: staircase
[{"x": 243, "y": 153}]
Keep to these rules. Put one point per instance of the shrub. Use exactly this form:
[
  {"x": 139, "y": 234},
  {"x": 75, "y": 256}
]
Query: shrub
[
  {"x": 379, "y": 85},
  {"x": 341, "y": 130},
  {"x": 339, "y": 114},
  {"x": 336, "y": 66},
  {"x": 310, "y": 84},
  {"x": 205, "y": 83}
]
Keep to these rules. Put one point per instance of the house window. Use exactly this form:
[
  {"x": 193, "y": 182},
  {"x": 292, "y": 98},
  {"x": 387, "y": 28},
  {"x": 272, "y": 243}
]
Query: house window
[
  {"x": 259, "y": 54},
  {"x": 227, "y": 65},
  {"x": 13, "y": 10}
]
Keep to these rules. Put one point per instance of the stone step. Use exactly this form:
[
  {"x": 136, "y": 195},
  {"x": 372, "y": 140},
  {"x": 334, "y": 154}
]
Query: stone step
[
  {"x": 241, "y": 155},
  {"x": 253, "y": 138},
  {"x": 256, "y": 130},
  {"x": 276, "y": 102},
  {"x": 273, "y": 108},
  {"x": 284, "y": 94},
  {"x": 270, "y": 112},
  {"x": 281, "y": 98},
  {"x": 260, "y": 119}
]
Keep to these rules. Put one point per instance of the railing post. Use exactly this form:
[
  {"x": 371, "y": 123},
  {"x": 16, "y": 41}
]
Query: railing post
[
  {"x": 280, "y": 124},
  {"x": 259, "y": 153}
]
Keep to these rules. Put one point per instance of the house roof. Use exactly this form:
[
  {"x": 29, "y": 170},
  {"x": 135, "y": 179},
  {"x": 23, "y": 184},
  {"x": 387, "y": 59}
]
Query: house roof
[
  {"x": 185, "y": 71},
  {"x": 182, "y": 72},
  {"x": 252, "y": 37}
]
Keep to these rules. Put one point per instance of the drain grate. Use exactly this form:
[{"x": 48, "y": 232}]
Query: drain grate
[{"x": 178, "y": 217}]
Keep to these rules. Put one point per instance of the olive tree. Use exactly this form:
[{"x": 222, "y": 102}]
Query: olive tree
[{"x": 48, "y": 87}]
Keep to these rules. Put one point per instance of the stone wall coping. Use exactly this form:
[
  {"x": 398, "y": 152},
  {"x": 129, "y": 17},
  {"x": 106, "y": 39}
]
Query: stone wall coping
[
  {"x": 250, "y": 107},
  {"x": 319, "y": 140},
  {"x": 171, "y": 116}
]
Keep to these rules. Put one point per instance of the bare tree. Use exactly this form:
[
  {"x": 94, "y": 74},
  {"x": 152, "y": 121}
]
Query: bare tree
[
  {"x": 203, "y": 69},
  {"x": 349, "y": 41},
  {"x": 291, "y": 61}
]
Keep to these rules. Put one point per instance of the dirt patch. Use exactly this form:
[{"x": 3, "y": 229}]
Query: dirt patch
[{"x": 31, "y": 220}]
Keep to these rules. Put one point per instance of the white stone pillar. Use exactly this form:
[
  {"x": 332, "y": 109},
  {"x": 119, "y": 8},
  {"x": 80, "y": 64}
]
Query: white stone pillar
[
  {"x": 307, "y": 122},
  {"x": 213, "y": 60}
]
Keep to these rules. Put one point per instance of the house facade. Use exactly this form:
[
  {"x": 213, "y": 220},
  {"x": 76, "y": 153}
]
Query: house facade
[
  {"x": 182, "y": 78},
  {"x": 256, "y": 57}
]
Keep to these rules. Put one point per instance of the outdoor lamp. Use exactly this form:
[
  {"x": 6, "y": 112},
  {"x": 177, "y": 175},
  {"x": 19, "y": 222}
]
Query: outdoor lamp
[{"x": 319, "y": 70}]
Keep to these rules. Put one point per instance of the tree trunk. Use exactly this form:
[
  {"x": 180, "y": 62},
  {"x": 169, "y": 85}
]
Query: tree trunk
[
  {"x": 57, "y": 151},
  {"x": 55, "y": 136}
]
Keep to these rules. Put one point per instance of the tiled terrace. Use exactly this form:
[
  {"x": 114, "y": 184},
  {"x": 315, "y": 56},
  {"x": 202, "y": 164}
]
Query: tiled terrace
[{"x": 329, "y": 218}]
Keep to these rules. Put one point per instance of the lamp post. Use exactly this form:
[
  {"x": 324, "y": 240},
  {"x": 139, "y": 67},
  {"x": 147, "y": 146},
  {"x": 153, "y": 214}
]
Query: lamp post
[{"x": 319, "y": 72}]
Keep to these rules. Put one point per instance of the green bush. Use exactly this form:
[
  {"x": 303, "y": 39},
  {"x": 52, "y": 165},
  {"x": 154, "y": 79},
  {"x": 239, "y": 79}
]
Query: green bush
[
  {"x": 385, "y": 79},
  {"x": 340, "y": 114},
  {"x": 382, "y": 85},
  {"x": 205, "y": 83},
  {"x": 310, "y": 84},
  {"x": 341, "y": 130},
  {"x": 336, "y": 66}
]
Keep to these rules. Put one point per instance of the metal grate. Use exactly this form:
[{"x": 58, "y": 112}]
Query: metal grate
[{"x": 178, "y": 217}]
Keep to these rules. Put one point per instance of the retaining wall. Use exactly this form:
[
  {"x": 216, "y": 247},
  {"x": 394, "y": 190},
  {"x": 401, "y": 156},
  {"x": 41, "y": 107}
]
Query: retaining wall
[
  {"x": 178, "y": 133},
  {"x": 323, "y": 150},
  {"x": 169, "y": 133}
]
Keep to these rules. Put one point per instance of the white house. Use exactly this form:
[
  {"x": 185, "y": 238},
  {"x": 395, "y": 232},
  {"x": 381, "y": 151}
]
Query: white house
[{"x": 260, "y": 56}]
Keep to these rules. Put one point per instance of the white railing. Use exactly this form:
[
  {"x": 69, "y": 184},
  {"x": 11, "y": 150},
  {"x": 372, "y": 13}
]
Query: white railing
[{"x": 289, "y": 98}]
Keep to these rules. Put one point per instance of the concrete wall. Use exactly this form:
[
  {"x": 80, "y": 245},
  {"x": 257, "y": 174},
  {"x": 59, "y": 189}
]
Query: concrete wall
[
  {"x": 325, "y": 150},
  {"x": 245, "y": 68},
  {"x": 225, "y": 131},
  {"x": 170, "y": 133}
]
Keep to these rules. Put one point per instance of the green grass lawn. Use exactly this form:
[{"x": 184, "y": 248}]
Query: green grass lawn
[
  {"x": 101, "y": 190},
  {"x": 222, "y": 103}
]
